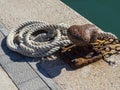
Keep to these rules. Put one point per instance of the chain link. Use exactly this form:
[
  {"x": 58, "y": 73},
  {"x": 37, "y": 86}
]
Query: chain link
[{"x": 107, "y": 48}]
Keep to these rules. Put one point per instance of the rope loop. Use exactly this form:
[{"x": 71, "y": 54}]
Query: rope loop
[
  {"x": 38, "y": 39},
  {"x": 41, "y": 39}
]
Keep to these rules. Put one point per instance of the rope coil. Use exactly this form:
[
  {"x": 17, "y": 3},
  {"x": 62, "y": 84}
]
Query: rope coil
[{"x": 40, "y": 39}]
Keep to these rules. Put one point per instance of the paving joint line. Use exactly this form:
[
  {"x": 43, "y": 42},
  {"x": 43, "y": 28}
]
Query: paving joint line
[
  {"x": 4, "y": 32},
  {"x": 10, "y": 77},
  {"x": 39, "y": 76},
  {"x": 4, "y": 54},
  {"x": 27, "y": 80}
]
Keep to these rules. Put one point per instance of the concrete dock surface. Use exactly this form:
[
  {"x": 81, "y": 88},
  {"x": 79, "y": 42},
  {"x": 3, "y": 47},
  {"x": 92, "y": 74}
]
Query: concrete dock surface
[
  {"x": 20, "y": 72},
  {"x": 5, "y": 82}
]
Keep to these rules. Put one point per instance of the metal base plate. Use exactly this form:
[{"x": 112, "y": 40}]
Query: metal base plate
[{"x": 78, "y": 57}]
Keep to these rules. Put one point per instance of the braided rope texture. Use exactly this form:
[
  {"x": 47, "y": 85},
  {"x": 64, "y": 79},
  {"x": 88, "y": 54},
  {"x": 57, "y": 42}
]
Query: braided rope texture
[{"x": 41, "y": 39}]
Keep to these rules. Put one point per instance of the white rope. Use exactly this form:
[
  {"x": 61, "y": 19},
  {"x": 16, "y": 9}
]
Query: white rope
[
  {"x": 106, "y": 35},
  {"x": 40, "y": 39}
]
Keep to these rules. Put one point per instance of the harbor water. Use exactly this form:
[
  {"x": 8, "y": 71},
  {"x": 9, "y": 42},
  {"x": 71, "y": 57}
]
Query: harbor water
[{"x": 103, "y": 13}]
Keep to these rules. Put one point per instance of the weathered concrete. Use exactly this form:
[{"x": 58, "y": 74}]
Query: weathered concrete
[
  {"x": 22, "y": 74},
  {"x": 97, "y": 76},
  {"x": 16, "y": 12},
  {"x": 19, "y": 70},
  {"x": 5, "y": 81}
]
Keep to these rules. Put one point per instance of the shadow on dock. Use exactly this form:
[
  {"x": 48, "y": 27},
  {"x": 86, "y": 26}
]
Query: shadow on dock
[{"x": 49, "y": 67}]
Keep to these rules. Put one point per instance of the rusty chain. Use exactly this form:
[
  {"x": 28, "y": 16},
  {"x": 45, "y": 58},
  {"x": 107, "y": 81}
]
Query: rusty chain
[{"x": 107, "y": 47}]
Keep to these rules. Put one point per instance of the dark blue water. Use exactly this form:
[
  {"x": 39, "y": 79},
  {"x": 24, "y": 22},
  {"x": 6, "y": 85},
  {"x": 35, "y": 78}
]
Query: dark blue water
[{"x": 104, "y": 13}]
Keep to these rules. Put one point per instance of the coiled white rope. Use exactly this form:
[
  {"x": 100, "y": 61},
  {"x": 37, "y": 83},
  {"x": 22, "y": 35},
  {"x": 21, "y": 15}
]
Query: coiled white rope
[{"x": 40, "y": 39}]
